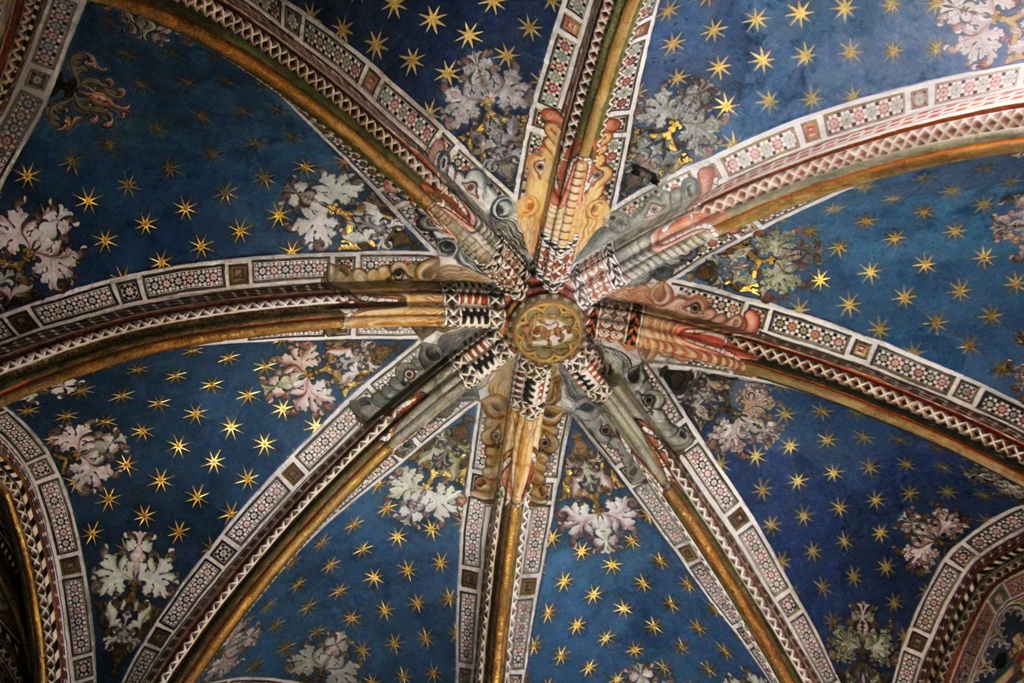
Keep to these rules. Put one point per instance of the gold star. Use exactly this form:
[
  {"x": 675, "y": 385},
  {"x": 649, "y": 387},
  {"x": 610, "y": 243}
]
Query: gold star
[
  {"x": 426, "y": 640},
  {"x": 581, "y": 551},
  {"x": 343, "y": 29},
  {"x": 849, "y": 305},
  {"x": 201, "y": 246},
  {"x": 1015, "y": 282},
  {"x": 548, "y": 613},
  {"x": 893, "y": 50},
  {"x": 990, "y": 315},
  {"x": 407, "y": 570},
  {"x": 844, "y": 9},
  {"x": 247, "y": 396},
  {"x": 713, "y": 31},
  {"x": 529, "y": 28},
  {"x": 160, "y": 480},
  {"x": 197, "y": 497},
  {"x": 904, "y": 296},
  {"x": 230, "y": 428},
  {"x": 876, "y": 500},
  {"x": 823, "y": 587},
  {"x": 179, "y": 446},
  {"x": 185, "y": 208},
  {"x": 812, "y": 551},
  {"x": 959, "y": 290},
  {"x": 894, "y": 238},
  {"x": 178, "y": 531},
  {"x": 767, "y": 100},
  {"x": 411, "y": 60},
  {"x": 671, "y": 44},
  {"x": 804, "y": 515},
  {"x": 811, "y": 99},
  {"x": 71, "y": 163},
  {"x": 762, "y": 60},
  {"x": 375, "y": 44},
  {"x": 88, "y": 200},
  {"x": 652, "y": 626},
  {"x": 762, "y": 489},
  {"x": 397, "y": 537},
  {"x": 623, "y": 609},
  {"x": 394, "y": 643},
  {"x": 924, "y": 264},
  {"x": 577, "y": 625},
  {"x": 611, "y": 565},
  {"x": 969, "y": 344},
  {"x": 144, "y": 515},
  {"x": 936, "y": 322},
  {"x": 797, "y": 481},
  {"x": 563, "y": 582},
  {"x": 561, "y": 655},
  {"x": 264, "y": 444},
  {"x": 879, "y": 329},
  {"x": 820, "y": 279},
  {"x": 373, "y": 578},
  {"x": 28, "y": 176},
  {"x": 142, "y": 432},
  {"x": 725, "y": 105},
  {"x": 756, "y": 20},
  {"x": 772, "y": 525},
  {"x": 214, "y": 462},
  {"x": 642, "y": 584},
  {"x": 634, "y": 650},
  {"x": 394, "y": 7},
  {"x": 229, "y": 511},
  {"x": 364, "y": 549},
  {"x": 804, "y": 55},
  {"x": 247, "y": 479},
  {"x": 880, "y": 533},
  {"x": 870, "y": 272},
  {"x": 983, "y": 257},
  {"x": 719, "y": 67},
  {"x": 799, "y": 13},
  {"x": 853, "y": 576},
  {"x": 432, "y": 19},
  {"x": 161, "y": 260},
  {"x": 506, "y": 55},
  {"x": 468, "y": 35},
  {"x": 669, "y": 10}
]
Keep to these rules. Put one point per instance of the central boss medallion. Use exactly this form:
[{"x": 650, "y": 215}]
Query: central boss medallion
[{"x": 547, "y": 329}]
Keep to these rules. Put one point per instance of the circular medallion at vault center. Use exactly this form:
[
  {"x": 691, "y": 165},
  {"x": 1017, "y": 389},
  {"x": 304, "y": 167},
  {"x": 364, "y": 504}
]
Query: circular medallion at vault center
[{"x": 547, "y": 329}]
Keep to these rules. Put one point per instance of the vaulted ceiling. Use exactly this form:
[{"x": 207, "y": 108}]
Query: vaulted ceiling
[{"x": 516, "y": 340}]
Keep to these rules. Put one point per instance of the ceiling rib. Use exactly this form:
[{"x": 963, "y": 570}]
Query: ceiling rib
[
  {"x": 523, "y": 429},
  {"x": 252, "y": 312}
]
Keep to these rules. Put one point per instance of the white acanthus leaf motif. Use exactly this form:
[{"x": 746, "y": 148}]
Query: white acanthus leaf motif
[
  {"x": 604, "y": 529},
  {"x": 292, "y": 378},
  {"x": 979, "y": 37},
  {"x": 659, "y": 109},
  {"x": 93, "y": 451},
  {"x": 40, "y": 238},
  {"x": 137, "y": 562},
  {"x": 418, "y": 503},
  {"x": 326, "y": 661}
]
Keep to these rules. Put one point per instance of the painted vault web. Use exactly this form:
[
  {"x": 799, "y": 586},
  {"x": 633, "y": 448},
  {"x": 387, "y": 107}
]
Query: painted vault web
[{"x": 412, "y": 373}]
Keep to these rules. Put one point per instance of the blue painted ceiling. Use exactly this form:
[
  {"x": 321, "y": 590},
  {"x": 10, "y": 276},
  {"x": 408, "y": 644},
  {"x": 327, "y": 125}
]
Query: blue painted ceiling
[{"x": 196, "y": 160}]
